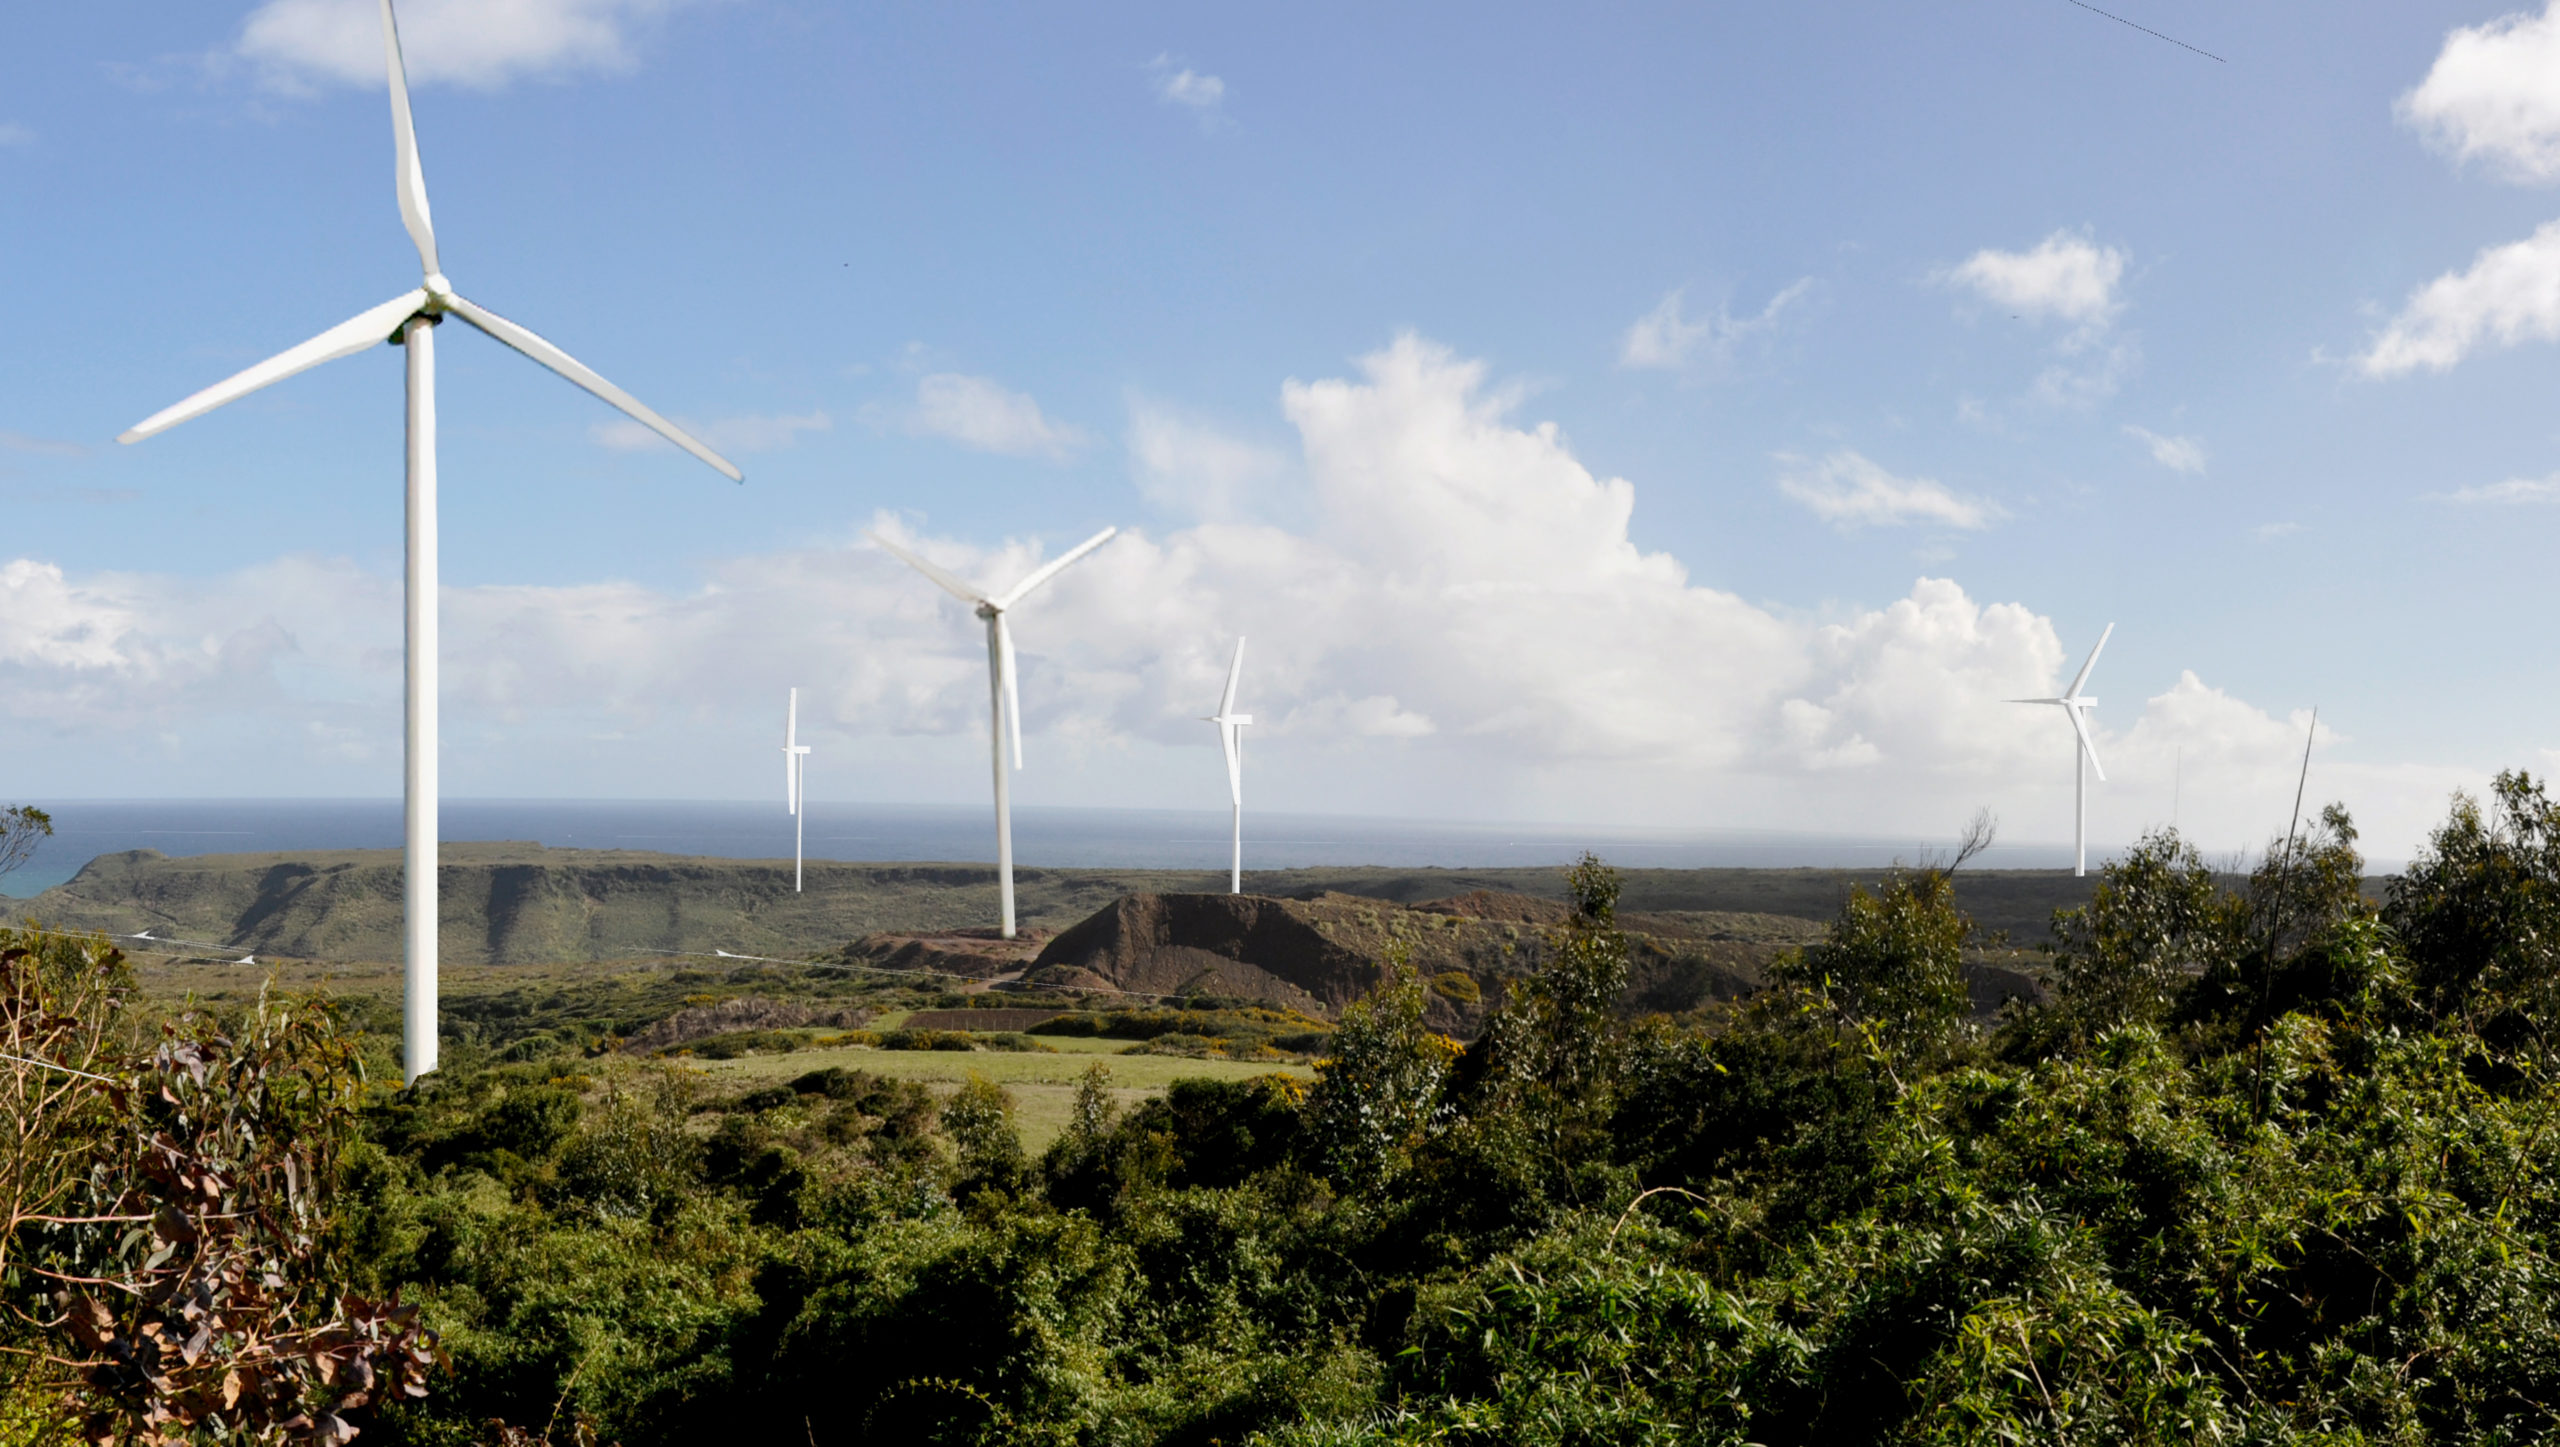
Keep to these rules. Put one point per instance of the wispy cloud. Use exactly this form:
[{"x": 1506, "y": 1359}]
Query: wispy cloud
[
  {"x": 39, "y": 446},
  {"x": 483, "y": 43},
  {"x": 1184, "y": 463},
  {"x": 1847, "y": 490},
  {"x": 748, "y": 433},
  {"x": 981, "y": 413},
  {"x": 12, "y": 134},
  {"x": 2267, "y": 531},
  {"x": 2178, "y": 454},
  {"x": 1665, "y": 337},
  {"x": 2512, "y": 492},
  {"x": 1202, "y": 94},
  {"x": 2493, "y": 96}
]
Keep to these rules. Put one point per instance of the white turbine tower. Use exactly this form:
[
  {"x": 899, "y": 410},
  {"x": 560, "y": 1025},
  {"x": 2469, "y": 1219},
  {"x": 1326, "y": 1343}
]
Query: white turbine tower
[
  {"x": 2084, "y": 754},
  {"x": 409, "y": 321},
  {"x": 1231, "y": 738},
  {"x": 794, "y": 782},
  {"x": 1004, "y": 691}
]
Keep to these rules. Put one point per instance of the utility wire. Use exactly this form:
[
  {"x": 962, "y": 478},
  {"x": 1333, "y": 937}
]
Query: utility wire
[{"x": 2147, "y": 30}]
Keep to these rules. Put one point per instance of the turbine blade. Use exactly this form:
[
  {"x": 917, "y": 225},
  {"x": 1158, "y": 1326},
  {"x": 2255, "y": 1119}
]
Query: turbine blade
[
  {"x": 409, "y": 179},
  {"x": 1235, "y": 670},
  {"x": 944, "y": 580},
  {"x": 366, "y": 329},
  {"x": 1012, "y": 685},
  {"x": 1054, "y": 567},
  {"x": 578, "y": 372},
  {"x": 2083, "y": 677},
  {"x": 791, "y": 721},
  {"x": 2080, "y": 726}
]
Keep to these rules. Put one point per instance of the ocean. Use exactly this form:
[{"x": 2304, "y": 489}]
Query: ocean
[{"x": 1114, "y": 838}]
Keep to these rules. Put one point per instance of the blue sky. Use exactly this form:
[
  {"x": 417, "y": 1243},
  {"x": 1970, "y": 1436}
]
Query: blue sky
[{"x": 1650, "y": 415}]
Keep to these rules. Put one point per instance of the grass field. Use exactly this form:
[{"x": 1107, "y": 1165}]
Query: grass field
[{"x": 1043, "y": 1086}]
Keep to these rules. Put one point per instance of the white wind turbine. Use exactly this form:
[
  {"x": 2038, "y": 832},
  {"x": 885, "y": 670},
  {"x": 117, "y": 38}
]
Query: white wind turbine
[
  {"x": 2084, "y": 755},
  {"x": 1231, "y": 738},
  {"x": 409, "y": 321},
  {"x": 794, "y": 782},
  {"x": 1004, "y": 691}
]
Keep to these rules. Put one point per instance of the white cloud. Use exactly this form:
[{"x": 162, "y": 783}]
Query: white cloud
[
  {"x": 2493, "y": 95},
  {"x": 981, "y": 413},
  {"x": 1182, "y": 463},
  {"x": 2510, "y": 294},
  {"x": 14, "y": 134},
  {"x": 479, "y": 43},
  {"x": 728, "y": 434},
  {"x": 2266, "y": 532},
  {"x": 2178, "y": 454},
  {"x": 1188, "y": 87},
  {"x": 1463, "y": 627},
  {"x": 2065, "y": 277},
  {"x": 1847, "y": 490},
  {"x": 1664, "y": 337},
  {"x": 2513, "y": 491}
]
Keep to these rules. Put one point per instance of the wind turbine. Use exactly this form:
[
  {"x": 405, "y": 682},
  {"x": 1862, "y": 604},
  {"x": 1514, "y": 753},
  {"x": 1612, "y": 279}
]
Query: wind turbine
[
  {"x": 1231, "y": 738},
  {"x": 1004, "y": 690},
  {"x": 2084, "y": 755},
  {"x": 794, "y": 784},
  {"x": 409, "y": 320}
]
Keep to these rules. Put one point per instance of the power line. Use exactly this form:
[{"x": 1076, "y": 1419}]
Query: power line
[{"x": 2147, "y": 30}]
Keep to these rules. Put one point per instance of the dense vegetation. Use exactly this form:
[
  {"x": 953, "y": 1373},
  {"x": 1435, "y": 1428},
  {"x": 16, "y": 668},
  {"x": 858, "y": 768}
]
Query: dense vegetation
[{"x": 2273, "y": 1164}]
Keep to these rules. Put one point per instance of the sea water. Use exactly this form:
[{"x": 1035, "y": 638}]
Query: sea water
[{"x": 1106, "y": 838}]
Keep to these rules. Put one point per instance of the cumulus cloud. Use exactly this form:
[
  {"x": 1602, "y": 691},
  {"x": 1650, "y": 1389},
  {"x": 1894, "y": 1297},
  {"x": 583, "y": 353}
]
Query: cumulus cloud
[
  {"x": 980, "y": 413},
  {"x": 480, "y": 43},
  {"x": 2178, "y": 454},
  {"x": 2509, "y": 294},
  {"x": 747, "y": 433},
  {"x": 2493, "y": 95},
  {"x": 1666, "y": 337},
  {"x": 1463, "y": 625},
  {"x": 2513, "y": 491},
  {"x": 1847, "y": 490},
  {"x": 2065, "y": 277},
  {"x": 1183, "y": 463}
]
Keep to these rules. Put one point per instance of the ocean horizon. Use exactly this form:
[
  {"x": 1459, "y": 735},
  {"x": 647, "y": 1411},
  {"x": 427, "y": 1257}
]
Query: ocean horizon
[{"x": 907, "y": 833}]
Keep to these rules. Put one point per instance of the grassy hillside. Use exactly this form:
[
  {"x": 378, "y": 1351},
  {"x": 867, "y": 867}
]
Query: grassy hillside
[{"x": 519, "y": 904}]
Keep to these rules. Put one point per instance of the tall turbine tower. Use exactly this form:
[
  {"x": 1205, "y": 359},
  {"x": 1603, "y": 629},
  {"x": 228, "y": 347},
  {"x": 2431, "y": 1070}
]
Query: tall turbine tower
[
  {"x": 2084, "y": 754},
  {"x": 1231, "y": 738},
  {"x": 1004, "y": 691},
  {"x": 794, "y": 782},
  {"x": 409, "y": 321}
]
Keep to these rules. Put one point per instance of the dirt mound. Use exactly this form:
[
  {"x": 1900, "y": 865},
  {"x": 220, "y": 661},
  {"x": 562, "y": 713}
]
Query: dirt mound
[
  {"x": 747, "y": 1012},
  {"x": 971, "y": 954},
  {"x": 1322, "y": 951}
]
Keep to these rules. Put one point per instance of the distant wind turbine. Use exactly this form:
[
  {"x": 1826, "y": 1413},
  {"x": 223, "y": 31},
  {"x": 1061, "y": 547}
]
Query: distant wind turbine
[
  {"x": 1231, "y": 738},
  {"x": 794, "y": 782},
  {"x": 2084, "y": 755},
  {"x": 409, "y": 320},
  {"x": 1004, "y": 690}
]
